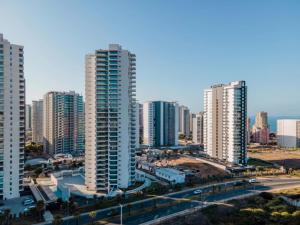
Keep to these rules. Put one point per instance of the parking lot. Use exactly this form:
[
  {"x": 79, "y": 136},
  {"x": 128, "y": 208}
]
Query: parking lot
[{"x": 15, "y": 205}]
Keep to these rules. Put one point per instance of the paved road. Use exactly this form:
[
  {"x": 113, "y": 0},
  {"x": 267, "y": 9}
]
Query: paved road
[{"x": 157, "y": 210}]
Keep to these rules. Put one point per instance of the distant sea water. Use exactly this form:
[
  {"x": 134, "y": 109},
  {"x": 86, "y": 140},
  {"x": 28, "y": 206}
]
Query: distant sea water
[{"x": 273, "y": 121}]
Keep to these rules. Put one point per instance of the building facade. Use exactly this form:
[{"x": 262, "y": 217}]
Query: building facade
[
  {"x": 184, "y": 120},
  {"x": 141, "y": 123},
  {"x": 192, "y": 116},
  {"x": 198, "y": 128},
  {"x": 12, "y": 119},
  {"x": 160, "y": 123},
  {"x": 28, "y": 117},
  {"x": 111, "y": 119},
  {"x": 225, "y": 113},
  {"x": 260, "y": 131},
  {"x": 37, "y": 121},
  {"x": 288, "y": 133},
  {"x": 63, "y": 123}
]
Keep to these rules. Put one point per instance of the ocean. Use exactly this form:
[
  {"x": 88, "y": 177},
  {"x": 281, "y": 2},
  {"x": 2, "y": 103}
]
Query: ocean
[{"x": 273, "y": 121}]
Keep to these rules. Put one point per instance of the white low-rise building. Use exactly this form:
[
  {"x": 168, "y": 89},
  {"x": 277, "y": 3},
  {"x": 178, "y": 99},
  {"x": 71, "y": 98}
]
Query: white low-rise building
[
  {"x": 288, "y": 133},
  {"x": 172, "y": 175}
]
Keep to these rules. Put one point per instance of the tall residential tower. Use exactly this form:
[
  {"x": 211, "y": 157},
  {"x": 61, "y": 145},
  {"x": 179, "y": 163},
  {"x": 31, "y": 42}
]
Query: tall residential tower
[
  {"x": 12, "y": 119},
  {"x": 198, "y": 128},
  {"x": 37, "y": 121},
  {"x": 260, "y": 131},
  {"x": 111, "y": 126},
  {"x": 225, "y": 115},
  {"x": 160, "y": 123},
  {"x": 28, "y": 117},
  {"x": 63, "y": 123}
]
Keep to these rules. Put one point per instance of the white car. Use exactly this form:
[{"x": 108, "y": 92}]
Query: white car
[
  {"x": 27, "y": 209},
  {"x": 253, "y": 180},
  {"x": 197, "y": 192},
  {"x": 28, "y": 201}
]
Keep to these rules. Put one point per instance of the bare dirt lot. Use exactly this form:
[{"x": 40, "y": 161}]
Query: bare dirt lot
[
  {"x": 287, "y": 158},
  {"x": 200, "y": 169}
]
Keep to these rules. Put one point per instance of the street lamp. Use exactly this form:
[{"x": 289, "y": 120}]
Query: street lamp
[{"x": 121, "y": 214}]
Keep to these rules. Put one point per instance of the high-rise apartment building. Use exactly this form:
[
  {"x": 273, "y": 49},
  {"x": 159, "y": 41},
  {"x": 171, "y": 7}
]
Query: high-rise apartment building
[
  {"x": 37, "y": 121},
  {"x": 111, "y": 119},
  {"x": 141, "y": 122},
  {"x": 192, "y": 116},
  {"x": 12, "y": 119},
  {"x": 288, "y": 133},
  {"x": 248, "y": 130},
  {"x": 63, "y": 121},
  {"x": 198, "y": 128},
  {"x": 28, "y": 117},
  {"x": 160, "y": 123},
  {"x": 184, "y": 120},
  {"x": 260, "y": 131},
  {"x": 225, "y": 113}
]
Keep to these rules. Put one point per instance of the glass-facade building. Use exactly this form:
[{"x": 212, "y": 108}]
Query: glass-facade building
[
  {"x": 63, "y": 123},
  {"x": 160, "y": 122}
]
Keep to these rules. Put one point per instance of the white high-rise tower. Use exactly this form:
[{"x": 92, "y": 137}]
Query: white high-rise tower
[
  {"x": 12, "y": 119},
  {"x": 111, "y": 130},
  {"x": 225, "y": 115}
]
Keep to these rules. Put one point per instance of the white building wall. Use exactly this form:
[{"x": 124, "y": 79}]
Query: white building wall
[
  {"x": 37, "y": 121},
  {"x": 225, "y": 113},
  {"x": 13, "y": 118},
  {"x": 207, "y": 123},
  {"x": 148, "y": 125},
  {"x": 90, "y": 123},
  {"x": 287, "y": 134},
  {"x": 198, "y": 128},
  {"x": 117, "y": 109}
]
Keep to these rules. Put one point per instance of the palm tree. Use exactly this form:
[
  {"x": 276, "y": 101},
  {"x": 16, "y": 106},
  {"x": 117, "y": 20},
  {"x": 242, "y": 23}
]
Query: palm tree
[
  {"x": 129, "y": 206},
  {"x": 6, "y": 217},
  {"x": 77, "y": 217},
  {"x": 40, "y": 205},
  {"x": 65, "y": 207},
  {"x": 92, "y": 215},
  {"x": 57, "y": 220},
  {"x": 2, "y": 219}
]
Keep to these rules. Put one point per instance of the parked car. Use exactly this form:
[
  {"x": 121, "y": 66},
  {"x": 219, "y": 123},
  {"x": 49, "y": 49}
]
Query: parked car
[
  {"x": 28, "y": 201},
  {"x": 253, "y": 180},
  {"x": 197, "y": 192},
  {"x": 27, "y": 209}
]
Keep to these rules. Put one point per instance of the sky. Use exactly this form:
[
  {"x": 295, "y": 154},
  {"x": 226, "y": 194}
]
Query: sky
[{"x": 182, "y": 46}]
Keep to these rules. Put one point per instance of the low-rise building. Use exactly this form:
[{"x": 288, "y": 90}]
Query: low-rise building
[
  {"x": 172, "y": 175},
  {"x": 288, "y": 133}
]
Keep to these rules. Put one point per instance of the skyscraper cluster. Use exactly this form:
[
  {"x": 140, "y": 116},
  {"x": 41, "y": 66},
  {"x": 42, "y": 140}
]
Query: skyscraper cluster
[{"x": 109, "y": 126}]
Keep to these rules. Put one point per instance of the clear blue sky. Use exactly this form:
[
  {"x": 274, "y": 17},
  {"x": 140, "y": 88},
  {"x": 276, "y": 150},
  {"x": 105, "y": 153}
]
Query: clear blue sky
[{"x": 182, "y": 47}]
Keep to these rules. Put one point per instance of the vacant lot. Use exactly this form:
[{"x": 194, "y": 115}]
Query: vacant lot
[
  {"x": 287, "y": 158},
  {"x": 200, "y": 169}
]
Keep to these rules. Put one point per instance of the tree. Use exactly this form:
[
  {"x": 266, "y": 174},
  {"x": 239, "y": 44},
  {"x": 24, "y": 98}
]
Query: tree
[
  {"x": 7, "y": 216},
  {"x": 38, "y": 171},
  {"x": 40, "y": 205},
  {"x": 92, "y": 215},
  {"x": 57, "y": 220},
  {"x": 65, "y": 207},
  {"x": 129, "y": 206},
  {"x": 77, "y": 217}
]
